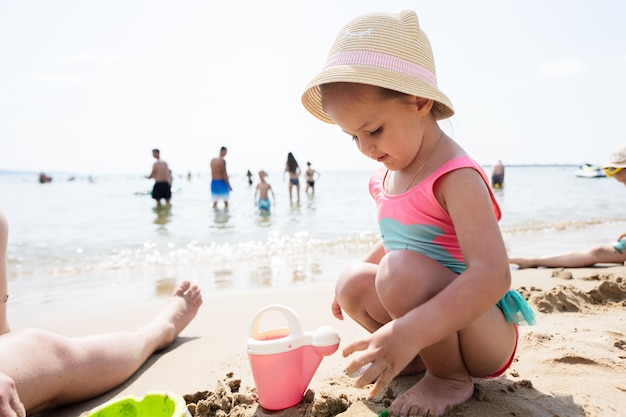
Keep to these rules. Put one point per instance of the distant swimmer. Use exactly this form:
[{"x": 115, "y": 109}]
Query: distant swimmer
[
  {"x": 43, "y": 178},
  {"x": 162, "y": 176},
  {"x": 220, "y": 185},
  {"x": 311, "y": 175},
  {"x": 293, "y": 169},
  {"x": 497, "y": 175}
]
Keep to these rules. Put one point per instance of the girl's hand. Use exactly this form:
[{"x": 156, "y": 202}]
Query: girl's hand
[
  {"x": 336, "y": 308},
  {"x": 383, "y": 355}
]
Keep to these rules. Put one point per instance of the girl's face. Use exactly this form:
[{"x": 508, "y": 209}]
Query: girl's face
[{"x": 386, "y": 129}]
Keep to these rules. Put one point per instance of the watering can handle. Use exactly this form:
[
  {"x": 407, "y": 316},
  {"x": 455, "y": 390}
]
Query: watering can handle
[{"x": 293, "y": 321}]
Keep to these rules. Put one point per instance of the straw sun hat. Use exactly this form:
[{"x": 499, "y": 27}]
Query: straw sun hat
[
  {"x": 387, "y": 50},
  {"x": 617, "y": 158}
]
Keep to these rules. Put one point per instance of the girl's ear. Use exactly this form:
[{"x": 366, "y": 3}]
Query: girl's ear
[{"x": 422, "y": 105}]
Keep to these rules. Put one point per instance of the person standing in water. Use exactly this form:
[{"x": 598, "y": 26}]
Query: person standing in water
[
  {"x": 293, "y": 170},
  {"x": 311, "y": 175},
  {"x": 497, "y": 175},
  {"x": 220, "y": 184},
  {"x": 162, "y": 176},
  {"x": 262, "y": 192}
]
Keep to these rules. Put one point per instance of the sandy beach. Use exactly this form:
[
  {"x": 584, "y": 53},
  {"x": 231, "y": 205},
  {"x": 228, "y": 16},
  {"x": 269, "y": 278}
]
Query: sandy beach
[{"x": 572, "y": 363}]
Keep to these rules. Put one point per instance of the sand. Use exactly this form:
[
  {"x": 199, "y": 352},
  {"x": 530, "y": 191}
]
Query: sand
[{"x": 572, "y": 363}]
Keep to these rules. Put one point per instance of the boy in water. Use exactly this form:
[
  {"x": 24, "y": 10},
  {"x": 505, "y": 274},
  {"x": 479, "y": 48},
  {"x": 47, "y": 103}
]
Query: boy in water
[{"x": 263, "y": 188}]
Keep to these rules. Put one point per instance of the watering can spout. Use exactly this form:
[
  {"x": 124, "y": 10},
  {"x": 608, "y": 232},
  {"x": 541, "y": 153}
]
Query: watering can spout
[{"x": 324, "y": 342}]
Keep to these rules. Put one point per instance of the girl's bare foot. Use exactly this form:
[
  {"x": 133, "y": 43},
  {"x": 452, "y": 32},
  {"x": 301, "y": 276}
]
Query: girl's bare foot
[
  {"x": 433, "y": 396},
  {"x": 178, "y": 313}
]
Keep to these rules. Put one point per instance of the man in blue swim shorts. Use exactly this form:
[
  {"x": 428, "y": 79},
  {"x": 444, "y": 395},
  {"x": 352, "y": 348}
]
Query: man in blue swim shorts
[{"x": 220, "y": 185}]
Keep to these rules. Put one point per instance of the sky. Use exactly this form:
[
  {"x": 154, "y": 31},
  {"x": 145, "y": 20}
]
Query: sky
[{"x": 91, "y": 87}]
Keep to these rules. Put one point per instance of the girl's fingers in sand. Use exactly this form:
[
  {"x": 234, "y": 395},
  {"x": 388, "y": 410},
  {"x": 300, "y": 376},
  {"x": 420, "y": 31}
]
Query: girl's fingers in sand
[
  {"x": 387, "y": 352},
  {"x": 358, "y": 361},
  {"x": 368, "y": 367},
  {"x": 379, "y": 372},
  {"x": 384, "y": 378}
]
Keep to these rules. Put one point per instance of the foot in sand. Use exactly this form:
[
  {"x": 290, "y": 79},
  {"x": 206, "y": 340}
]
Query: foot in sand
[
  {"x": 433, "y": 396},
  {"x": 179, "y": 311}
]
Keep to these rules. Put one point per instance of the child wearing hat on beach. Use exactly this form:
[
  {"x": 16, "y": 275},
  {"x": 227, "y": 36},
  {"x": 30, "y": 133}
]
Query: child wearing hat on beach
[
  {"x": 606, "y": 254},
  {"x": 435, "y": 291}
]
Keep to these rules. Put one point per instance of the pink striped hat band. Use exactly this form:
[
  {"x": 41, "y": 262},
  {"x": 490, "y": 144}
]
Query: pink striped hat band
[{"x": 380, "y": 60}]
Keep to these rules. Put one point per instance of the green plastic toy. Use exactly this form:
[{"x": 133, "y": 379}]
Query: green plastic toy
[{"x": 153, "y": 404}]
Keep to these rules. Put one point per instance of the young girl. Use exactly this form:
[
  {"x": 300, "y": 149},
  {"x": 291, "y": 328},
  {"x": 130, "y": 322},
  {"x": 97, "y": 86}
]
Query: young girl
[{"x": 434, "y": 292}]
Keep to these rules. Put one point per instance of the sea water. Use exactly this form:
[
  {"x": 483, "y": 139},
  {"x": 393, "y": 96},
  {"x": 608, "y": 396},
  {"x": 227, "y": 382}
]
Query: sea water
[{"x": 100, "y": 240}]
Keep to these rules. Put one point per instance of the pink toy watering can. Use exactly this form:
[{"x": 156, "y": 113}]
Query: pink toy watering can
[{"x": 284, "y": 360}]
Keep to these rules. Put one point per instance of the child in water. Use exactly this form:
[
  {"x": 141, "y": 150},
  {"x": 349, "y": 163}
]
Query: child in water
[
  {"x": 261, "y": 194},
  {"x": 435, "y": 291}
]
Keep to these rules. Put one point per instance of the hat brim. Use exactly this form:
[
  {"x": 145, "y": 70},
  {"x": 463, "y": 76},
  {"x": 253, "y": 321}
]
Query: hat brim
[{"x": 363, "y": 74}]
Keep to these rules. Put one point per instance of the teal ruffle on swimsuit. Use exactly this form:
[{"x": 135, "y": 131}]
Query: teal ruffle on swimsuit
[{"x": 516, "y": 309}]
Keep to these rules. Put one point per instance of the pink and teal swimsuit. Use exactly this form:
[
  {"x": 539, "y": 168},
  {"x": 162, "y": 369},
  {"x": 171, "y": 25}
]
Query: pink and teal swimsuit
[{"x": 415, "y": 220}]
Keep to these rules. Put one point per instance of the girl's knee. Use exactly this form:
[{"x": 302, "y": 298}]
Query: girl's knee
[
  {"x": 348, "y": 281},
  {"x": 407, "y": 278},
  {"x": 354, "y": 282}
]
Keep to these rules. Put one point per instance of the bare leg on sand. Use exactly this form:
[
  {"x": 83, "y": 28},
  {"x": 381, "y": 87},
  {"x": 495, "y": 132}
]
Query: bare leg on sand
[
  {"x": 600, "y": 254},
  {"x": 49, "y": 370}
]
